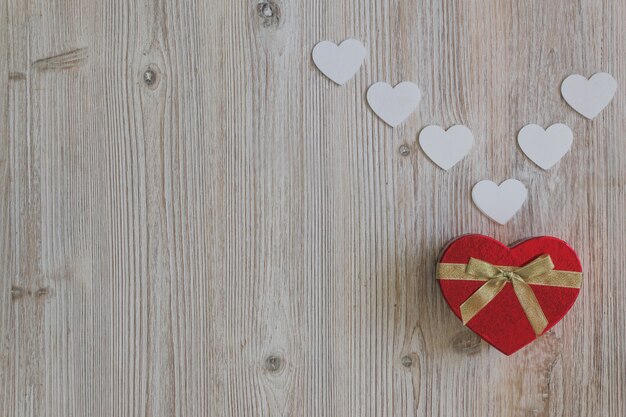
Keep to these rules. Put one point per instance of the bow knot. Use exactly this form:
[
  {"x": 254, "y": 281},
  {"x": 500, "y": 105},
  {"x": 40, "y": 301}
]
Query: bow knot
[
  {"x": 538, "y": 272},
  {"x": 497, "y": 278},
  {"x": 508, "y": 275}
]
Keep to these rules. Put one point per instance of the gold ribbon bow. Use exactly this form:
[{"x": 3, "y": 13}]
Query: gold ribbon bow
[{"x": 538, "y": 272}]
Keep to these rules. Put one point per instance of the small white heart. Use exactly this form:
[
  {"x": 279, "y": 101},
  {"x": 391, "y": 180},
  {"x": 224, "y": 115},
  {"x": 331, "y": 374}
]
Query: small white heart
[
  {"x": 589, "y": 96},
  {"x": 339, "y": 63},
  {"x": 499, "y": 203},
  {"x": 393, "y": 104},
  {"x": 446, "y": 148},
  {"x": 545, "y": 147}
]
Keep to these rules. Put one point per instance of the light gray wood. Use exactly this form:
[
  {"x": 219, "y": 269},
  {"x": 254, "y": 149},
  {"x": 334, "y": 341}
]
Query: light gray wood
[{"x": 234, "y": 235}]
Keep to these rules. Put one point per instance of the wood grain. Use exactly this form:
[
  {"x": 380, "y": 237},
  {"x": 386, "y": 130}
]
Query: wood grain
[{"x": 234, "y": 235}]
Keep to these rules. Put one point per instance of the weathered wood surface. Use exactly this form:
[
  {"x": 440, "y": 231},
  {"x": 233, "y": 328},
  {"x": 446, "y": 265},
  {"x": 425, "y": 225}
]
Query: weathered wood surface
[{"x": 232, "y": 234}]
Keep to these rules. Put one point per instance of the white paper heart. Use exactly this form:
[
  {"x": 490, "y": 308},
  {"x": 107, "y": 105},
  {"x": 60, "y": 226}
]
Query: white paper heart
[
  {"x": 499, "y": 203},
  {"x": 446, "y": 148},
  {"x": 589, "y": 96},
  {"x": 393, "y": 104},
  {"x": 339, "y": 63},
  {"x": 545, "y": 147}
]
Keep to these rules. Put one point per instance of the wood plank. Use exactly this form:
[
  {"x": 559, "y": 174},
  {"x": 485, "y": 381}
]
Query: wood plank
[{"x": 194, "y": 221}]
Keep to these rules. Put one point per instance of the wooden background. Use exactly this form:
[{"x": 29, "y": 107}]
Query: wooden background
[{"x": 231, "y": 234}]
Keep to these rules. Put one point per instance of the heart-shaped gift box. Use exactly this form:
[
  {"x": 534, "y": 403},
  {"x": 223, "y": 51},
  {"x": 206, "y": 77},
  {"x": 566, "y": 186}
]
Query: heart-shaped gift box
[{"x": 509, "y": 296}]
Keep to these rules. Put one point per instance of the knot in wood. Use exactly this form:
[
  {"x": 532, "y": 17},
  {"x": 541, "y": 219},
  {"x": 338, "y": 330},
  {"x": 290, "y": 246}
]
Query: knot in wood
[
  {"x": 270, "y": 12},
  {"x": 404, "y": 150},
  {"x": 467, "y": 342},
  {"x": 42, "y": 292},
  {"x": 149, "y": 77},
  {"x": 273, "y": 363},
  {"x": 267, "y": 11},
  {"x": 407, "y": 362},
  {"x": 18, "y": 292}
]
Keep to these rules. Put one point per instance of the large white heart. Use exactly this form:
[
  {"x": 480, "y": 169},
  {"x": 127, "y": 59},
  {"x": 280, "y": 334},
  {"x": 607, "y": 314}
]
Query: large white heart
[
  {"x": 545, "y": 147},
  {"x": 393, "y": 104},
  {"x": 446, "y": 148},
  {"x": 499, "y": 203},
  {"x": 589, "y": 96},
  {"x": 339, "y": 63}
]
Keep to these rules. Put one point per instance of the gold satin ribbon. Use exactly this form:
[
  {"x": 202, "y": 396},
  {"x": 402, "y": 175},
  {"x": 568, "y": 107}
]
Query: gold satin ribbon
[{"x": 538, "y": 272}]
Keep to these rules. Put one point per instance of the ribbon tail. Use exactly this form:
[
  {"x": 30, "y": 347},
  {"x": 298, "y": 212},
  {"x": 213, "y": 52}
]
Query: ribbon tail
[
  {"x": 481, "y": 298},
  {"x": 529, "y": 303}
]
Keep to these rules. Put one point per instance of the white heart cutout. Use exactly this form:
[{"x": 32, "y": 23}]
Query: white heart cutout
[
  {"x": 393, "y": 104},
  {"x": 446, "y": 148},
  {"x": 499, "y": 203},
  {"x": 339, "y": 63},
  {"x": 545, "y": 147},
  {"x": 589, "y": 96}
]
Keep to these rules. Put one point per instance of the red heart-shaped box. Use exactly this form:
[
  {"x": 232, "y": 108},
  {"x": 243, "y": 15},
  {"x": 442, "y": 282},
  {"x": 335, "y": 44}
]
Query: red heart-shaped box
[{"x": 502, "y": 322}]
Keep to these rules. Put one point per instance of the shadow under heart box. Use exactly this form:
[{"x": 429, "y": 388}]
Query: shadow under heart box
[{"x": 509, "y": 296}]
